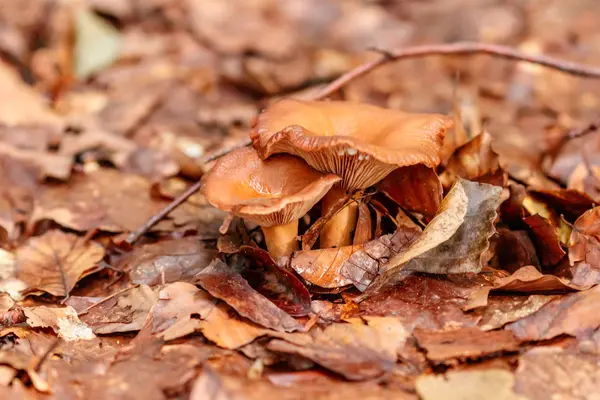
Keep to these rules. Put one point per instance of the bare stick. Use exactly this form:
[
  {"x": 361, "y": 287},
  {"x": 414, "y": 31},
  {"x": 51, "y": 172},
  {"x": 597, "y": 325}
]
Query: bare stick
[
  {"x": 104, "y": 300},
  {"x": 459, "y": 48}
]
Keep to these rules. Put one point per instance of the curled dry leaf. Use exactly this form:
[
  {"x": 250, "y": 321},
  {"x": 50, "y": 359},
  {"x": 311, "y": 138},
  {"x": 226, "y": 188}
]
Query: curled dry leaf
[
  {"x": 546, "y": 239},
  {"x": 554, "y": 373},
  {"x": 168, "y": 261},
  {"x": 55, "y": 261},
  {"x": 455, "y": 240},
  {"x": 497, "y": 384},
  {"x": 574, "y": 315},
  {"x": 465, "y": 343},
  {"x": 501, "y": 310},
  {"x": 364, "y": 225},
  {"x": 105, "y": 199},
  {"x": 416, "y": 188},
  {"x": 124, "y": 312},
  {"x": 356, "y": 351},
  {"x": 224, "y": 283},
  {"x": 584, "y": 243},
  {"x": 569, "y": 202},
  {"x": 475, "y": 161},
  {"x": 323, "y": 267},
  {"x": 512, "y": 250}
]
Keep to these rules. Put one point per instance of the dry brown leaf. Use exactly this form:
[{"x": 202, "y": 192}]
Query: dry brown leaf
[
  {"x": 553, "y": 373},
  {"x": 497, "y": 384},
  {"x": 105, "y": 199},
  {"x": 502, "y": 310},
  {"x": 124, "y": 312},
  {"x": 571, "y": 203},
  {"x": 584, "y": 243},
  {"x": 574, "y": 315},
  {"x": 48, "y": 164},
  {"x": 168, "y": 261},
  {"x": 183, "y": 309},
  {"x": 475, "y": 161},
  {"x": 55, "y": 261},
  {"x": 416, "y": 189},
  {"x": 364, "y": 225},
  {"x": 546, "y": 239},
  {"x": 356, "y": 351},
  {"x": 464, "y": 344},
  {"x": 512, "y": 250},
  {"x": 323, "y": 267},
  {"x": 224, "y": 283},
  {"x": 455, "y": 240},
  {"x": 584, "y": 182},
  {"x": 63, "y": 321}
]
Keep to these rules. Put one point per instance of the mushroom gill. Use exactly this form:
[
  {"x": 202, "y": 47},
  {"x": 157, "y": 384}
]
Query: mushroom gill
[
  {"x": 273, "y": 193},
  {"x": 360, "y": 143}
]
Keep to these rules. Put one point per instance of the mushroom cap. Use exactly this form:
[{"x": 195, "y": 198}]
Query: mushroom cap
[
  {"x": 359, "y": 142},
  {"x": 269, "y": 192}
]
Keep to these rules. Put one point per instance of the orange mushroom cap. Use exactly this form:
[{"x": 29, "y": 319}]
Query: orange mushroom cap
[
  {"x": 269, "y": 192},
  {"x": 359, "y": 142}
]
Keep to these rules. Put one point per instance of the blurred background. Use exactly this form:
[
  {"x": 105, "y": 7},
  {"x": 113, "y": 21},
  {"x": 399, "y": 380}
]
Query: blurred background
[{"x": 152, "y": 85}]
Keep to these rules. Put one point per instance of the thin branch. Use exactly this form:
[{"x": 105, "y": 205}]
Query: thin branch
[
  {"x": 459, "y": 49},
  {"x": 104, "y": 300}
]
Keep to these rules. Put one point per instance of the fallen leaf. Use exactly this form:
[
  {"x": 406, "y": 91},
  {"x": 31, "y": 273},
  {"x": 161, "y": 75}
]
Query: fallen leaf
[
  {"x": 583, "y": 182},
  {"x": 464, "y": 344},
  {"x": 497, "y": 384},
  {"x": 554, "y": 373},
  {"x": 511, "y": 210},
  {"x": 416, "y": 189},
  {"x": 364, "y": 225},
  {"x": 356, "y": 351},
  {"x": 455, "y": 240},
  {"x": 530, "y": 280},
  {"x": 168, "y": 261},
  {"x": 124, "y": 312},
  {"x": 47, "y": 164},
  {"x": 512, "y": 250},
  {"x": 105, "y": 199},
  {"x": 182, "y": 309},
  {"x": 224, "y": 283},
  {"x": 323, "y": 267},
  {"x": 584, "y": 243},
  {"x": 63, "y": 320},
  {"x": 571, "y": 203},
  {"x": 502, "y": 310},
  {"x": 364, "y": 265},
  {"x": 97, "y": 44},
  {"x": 277, "y": 284},
  {"x": 475, "y": 161},
  {"x": 55, "y": 261},
  {"x": 546, "y": 239},
  {"x": 573, "y": 315}
]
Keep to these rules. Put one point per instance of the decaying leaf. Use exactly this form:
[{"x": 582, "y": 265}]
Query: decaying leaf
[
  {"x": 554, "y": 373},
  {"x": 355, "y": 351},
  {"x": 62, "y": 320},
  {"x": 574, "y": 314},
  {"x": 416, "y": 189},
  {"x": 455, "y": 240},
  {"x": 125, "y": 312},
  {"x": 224, "y": 283},
  {"x": 323, "y": 267},
  {"x": 55, "y": 261},
  {"x": 513, "y": 250},
  {"x": 569, "y": 202},
  {"x": 584, "y": 244},
  {"x": 497, "y": 384},
  {"x": 183, "y": 309},
  {"x": 475, "y": 161},
  {"x": 168, "y": 261},
  {"x": 465, "y": 343},
  {"x": 546, "y": 239},
  {"x": 364, "y": 225},
  {"x": 105, "y": 199}
]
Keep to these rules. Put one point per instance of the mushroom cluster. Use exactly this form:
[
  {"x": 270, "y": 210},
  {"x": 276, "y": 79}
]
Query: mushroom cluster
[{"x": 310, "y": 151}]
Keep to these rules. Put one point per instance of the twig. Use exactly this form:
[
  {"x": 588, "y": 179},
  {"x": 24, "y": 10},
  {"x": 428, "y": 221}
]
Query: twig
[
  {"x": 104, "y": 300},
  {"x": 460, "y": 48}
]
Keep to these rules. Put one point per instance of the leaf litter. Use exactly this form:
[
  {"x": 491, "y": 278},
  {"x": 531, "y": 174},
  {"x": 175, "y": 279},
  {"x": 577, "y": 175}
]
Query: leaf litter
[{"x": 470, "y": 277}]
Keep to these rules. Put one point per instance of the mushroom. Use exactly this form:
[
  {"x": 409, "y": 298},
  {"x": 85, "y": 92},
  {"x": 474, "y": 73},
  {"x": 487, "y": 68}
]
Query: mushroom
[
  {"x": 273, "y": 193},
  {"x": 359, "y": 142}
]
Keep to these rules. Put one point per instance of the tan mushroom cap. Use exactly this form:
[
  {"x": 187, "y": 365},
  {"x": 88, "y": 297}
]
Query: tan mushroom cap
[
  {"x": 359, "y": 142},
  {"x": 269, "y": 192}
]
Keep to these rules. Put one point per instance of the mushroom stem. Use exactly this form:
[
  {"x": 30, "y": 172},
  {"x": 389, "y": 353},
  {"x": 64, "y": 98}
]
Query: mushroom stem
[
  {"x": 338, "y": 230},
  {"x": 281, "y": 239}
]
